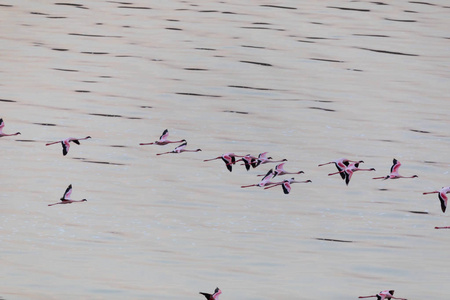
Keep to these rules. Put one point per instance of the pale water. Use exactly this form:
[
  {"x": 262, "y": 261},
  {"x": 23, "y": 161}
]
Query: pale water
[{"x": 309, "y": 81}]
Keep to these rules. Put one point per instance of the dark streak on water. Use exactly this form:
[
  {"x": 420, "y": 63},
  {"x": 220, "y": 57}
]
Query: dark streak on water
[
  {"x": 38, "y": 13},
  {"x": 195, "y": 69},
  {"x": 383, "y": 190},
  {"x": 424, "y": 3},
  {"x": 327, "y": 60},
  {"x": 65, "y": 70},
  {"x": 5, "y": 5},
  {"x": 118, "y": 146},
  {"x": 94, "y": 35},
  {"x": 7, "y": 100},
  {"x": 173, "y": 28},
  {"x": 56, "y": 17},
  {"x": 249, "y": 87},
  {"x": 134, "y": 7},
  {"x": 105, "y": 76},
  {"x": 208, "y": 11},
  {"x": 146, "y": 106},
  {"x": 418, "y": 212},
  {"x": 195, "y": 94},
  {"x": 60, "y": 49},
  {"x": 45, "y": 124},
  {"x": 355, "y": 70},
  {"x": 430, "y": 162},
  {"x": 398, "y": 20},
  {"x": 255, "y": 47},
  {"x": 348, "y": 8},
  {"x": 259, "y": 27},
  {"x": 419, "y": 131},
  {"x": 320, "y": 108},
  {"x": 387, "y": 52},
  {"x": 256, "y": 63},
  {"x": 371, "y": 35},
  {"x": 208, "y": 49},
  {"x": 82, "y": 91},
  {"x": 277, "y": 6},
  {"x": 106, "y": 115},
  {"x": 379, "y": 3},
  {"x": 333, "y": 240},
  {"x": 303, "y": 41},
  {"x": 103, "y": 162},
  {"x": 26, "y": 141},
  {"x": 96, "y": 53},
  {"x": 236, "y": 112}
]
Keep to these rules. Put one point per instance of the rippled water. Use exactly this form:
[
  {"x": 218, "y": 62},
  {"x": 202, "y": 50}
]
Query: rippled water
[{"x": 309, "y": 81}]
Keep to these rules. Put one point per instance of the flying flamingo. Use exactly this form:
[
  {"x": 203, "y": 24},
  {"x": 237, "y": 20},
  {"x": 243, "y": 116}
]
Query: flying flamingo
[
  {"x": 66, "y": 143},
  {"x": 442, "y": 196},
  {"x": 264, "y": 159},
  {"x": 214, "y": 296},
  {"x": 394, "y": 172},
  {"x": 2, "y": 124},
  {"x": 163, "y": 140},
  {"x": 249, "y": 161},
  {"x": 285, "y": 184},
  {"x": 445, "y": 227},
  {"x": 350, "y": 170},
  {"x": 266, "y": 180},
  {"x": 228, "y": 158},
  {"x": 279, "y": 170},
  {"x": 179, "y": 149},
  {"x": 384, "y": 295},
  {"x": 341, "y": 164},
  {"x": 65, "y": 199}
]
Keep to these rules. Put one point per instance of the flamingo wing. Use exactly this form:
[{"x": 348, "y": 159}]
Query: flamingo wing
[
  {"x": 286, "y": 187},
  {"x": 164, "y": 135},
  {"x": 348, "y": 176},
  {"x": 267, "y": 177},
  {"x": 395, "y": 166},
  {"x": 443, "y": 199},
  {"x": 67, "y": 193},
  {"x": 228, "y": 162},
  {"x": 180, "y": 148},
  {"x": 65, "y": 145},
  {"x": 2, "y": 124},
  {"x": 76, "y": 142}
]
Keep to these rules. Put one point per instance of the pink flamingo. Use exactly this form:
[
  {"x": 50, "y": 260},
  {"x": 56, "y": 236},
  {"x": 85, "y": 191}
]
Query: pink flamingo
[
  {"x": 65, "y": 199},
  {"x": 341, "y": 164},
  {"x": 2, "y": 124},
  {"x": 66, "y": 143},
  {"x": 352, "y": 168},
  {"x": 163, "y": 140},
  {"x": 264, "y": 159},
  {"x": 384, "y": 295},
  {"x": 214, "y": 296},
  {"x": 266, "y": 180},
  {"x": 445, "y": 227},
  {"x": 285, "y": 184},
  {"x": 279, "y": 170},
  {"x": 442, "y": 194},
  {"x": 179, "y": 149},
  {"x": 249, "y": 161},
  {"x": 228, "y": 158},
  {"x": 394, "y": 172}
]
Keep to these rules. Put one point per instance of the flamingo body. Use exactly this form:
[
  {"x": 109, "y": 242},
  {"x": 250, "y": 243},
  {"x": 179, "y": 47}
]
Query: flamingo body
[
  {"x": 163, "y": 140},
  {"x": 442, "y": 195},
  {"x": 66, "y": 143},
  {"x": 228, "y": 158},
  {"x": 341, "y": 164},
  {"x": 179, "y": 149},
  {"x": 285, "y": 184},
  {"x": 264, "y": 181},
  {"x": 383, "y": 295},
  {"x": 213, "y": 296},
  {"x": 65, "y": 199},
  {"x": 349, "y": 170},
  {"x": 394, "y": 172}
]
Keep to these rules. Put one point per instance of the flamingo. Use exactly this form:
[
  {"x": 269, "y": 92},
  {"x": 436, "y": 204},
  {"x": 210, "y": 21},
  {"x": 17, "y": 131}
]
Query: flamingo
[
  {"x": 179, "y": 149},
  {"x": 384, "y": 295},
  {"x": 279, "y": 170},
  {"x": 2, "y": 124},
  {"x": 341, "y": 164},
  {"x": 285, "y": 184},
  {"x": 163, "y": 140},
  {"x": 249, "y": 161},
  {"x": 442, "y": 196},
  {"x": 394, "y": 172},
  {"x": 264, "y": 159},
  {"x": 65, "y": 199},
  {"x": 214, "y": 296},
  {"x": 445, "y": 227},
  {"x": 266, "y": 180},
  {"x": 349, "y": 170},
  {"x": 228, "y": 158},
  {"x": 66, "y": 143}
]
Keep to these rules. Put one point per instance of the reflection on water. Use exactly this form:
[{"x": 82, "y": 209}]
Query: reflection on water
[{"x": 309, "y": 82}]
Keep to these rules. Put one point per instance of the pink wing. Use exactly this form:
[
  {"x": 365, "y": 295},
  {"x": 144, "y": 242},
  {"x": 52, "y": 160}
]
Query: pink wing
[
  {"x": 68, "y": 192},
  {"x": 180, "y": 148},
  {"x": 164, "y": 136},
  {"x": 396, "y": 165},
  {"x": 286, "y": 187},
  {"x": 279, "y": 168}
]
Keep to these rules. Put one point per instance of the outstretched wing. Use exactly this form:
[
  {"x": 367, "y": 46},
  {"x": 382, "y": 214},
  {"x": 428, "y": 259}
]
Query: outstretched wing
[
  {"x": 164, "y": 135},
  {"x": 67, "y": 193},
  {"x": 443, "y": 198},
  {"x": 286, "y": 187},
  {"x": 395, "y": 166},
  {"x": 208, "y": 296},
  {"x": 65, "y": 147}
]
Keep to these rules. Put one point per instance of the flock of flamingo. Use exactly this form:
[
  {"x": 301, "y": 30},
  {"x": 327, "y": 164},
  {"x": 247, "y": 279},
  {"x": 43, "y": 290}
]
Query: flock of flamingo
[{"x": 345, "y": 168}]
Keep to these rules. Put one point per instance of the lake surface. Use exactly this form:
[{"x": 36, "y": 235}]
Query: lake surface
[{"x": 308, "y": 81}]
